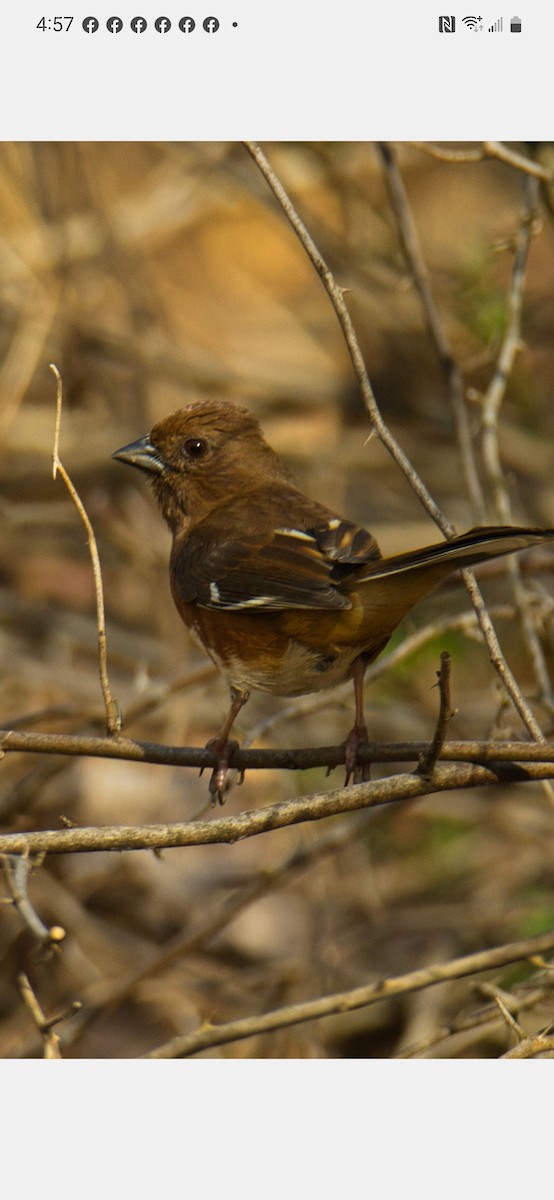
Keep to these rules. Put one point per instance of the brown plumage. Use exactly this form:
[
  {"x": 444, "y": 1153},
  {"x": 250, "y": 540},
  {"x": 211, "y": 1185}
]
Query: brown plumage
[{"x": 283, "y": 594}]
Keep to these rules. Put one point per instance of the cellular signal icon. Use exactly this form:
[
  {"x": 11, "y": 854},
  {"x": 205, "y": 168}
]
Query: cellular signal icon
[
  {"x": 496, "y": 27},
  {"x": 471, "y": 22}
]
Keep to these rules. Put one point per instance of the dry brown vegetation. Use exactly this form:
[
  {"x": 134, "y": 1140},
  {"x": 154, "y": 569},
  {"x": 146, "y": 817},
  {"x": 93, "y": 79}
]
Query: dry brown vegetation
[{"x": 155, "y": 274}]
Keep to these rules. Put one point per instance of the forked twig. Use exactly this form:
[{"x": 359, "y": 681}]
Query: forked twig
[
  {"x": 428, "y": 761},
  {"x": 45, "y": 1025}
]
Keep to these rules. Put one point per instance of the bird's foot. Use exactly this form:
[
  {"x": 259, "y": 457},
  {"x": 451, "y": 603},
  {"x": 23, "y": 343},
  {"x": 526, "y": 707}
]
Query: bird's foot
[
  {"x": 359, "y": 772},
  {"x": 220, "y": 780}
]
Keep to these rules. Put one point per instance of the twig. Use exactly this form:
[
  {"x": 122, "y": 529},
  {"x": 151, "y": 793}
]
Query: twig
[
  {"x": 533, "y": 1047},
  {"x": 509, "y": 1019},
  {"x": 446, "y": 154},
  {"x": 498, "y": 660},
  {"x": 316, "y": 807},
  {"x": 113, "y": 715},
  {"x": 362, "y": 997},
  {"x": 482, "y": 1023},
  {"x": 16, "y": 873},
  {"x": 45, "y": 1025},
  {"x": 379, "y": 426},
  {"x": 519, "y": 161},
  {"x": 511, "y": 345},
  {"x": 486, "y": 151},
  {"x": 336, "y": 296},
  {"x": 428, "y": 761},
  {"x": 409, "y": 241}
]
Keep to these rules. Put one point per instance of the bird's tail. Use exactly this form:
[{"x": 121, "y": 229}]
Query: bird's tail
[{"x": 466, "y": 550}]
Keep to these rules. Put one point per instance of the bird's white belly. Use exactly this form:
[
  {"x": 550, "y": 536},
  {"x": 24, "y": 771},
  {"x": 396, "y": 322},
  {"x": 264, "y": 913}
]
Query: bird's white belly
[{"x": 301, "y": 671}]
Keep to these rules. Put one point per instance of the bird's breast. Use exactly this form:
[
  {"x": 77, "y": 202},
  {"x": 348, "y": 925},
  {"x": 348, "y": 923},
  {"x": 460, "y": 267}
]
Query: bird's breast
[{"x": 288, "y": 653}]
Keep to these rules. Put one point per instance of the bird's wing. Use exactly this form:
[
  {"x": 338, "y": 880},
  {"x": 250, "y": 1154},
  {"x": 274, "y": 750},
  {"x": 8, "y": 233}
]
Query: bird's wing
[{"x": 271, "y": 568}]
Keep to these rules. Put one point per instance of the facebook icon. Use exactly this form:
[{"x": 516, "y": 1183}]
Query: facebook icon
[
  {"x": 211, "y": 24},
  {"x": 138, "y": 24},
  {"x": 163, "y": 24},
  {"x": 114, "y": 24},
  {"x": 90, "y": 24},
  {"x": 187, "y": 24}
]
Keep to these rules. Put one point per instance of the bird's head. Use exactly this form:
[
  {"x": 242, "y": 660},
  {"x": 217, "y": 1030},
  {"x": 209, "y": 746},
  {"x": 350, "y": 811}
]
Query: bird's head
[{"x": 202, "y": 456}]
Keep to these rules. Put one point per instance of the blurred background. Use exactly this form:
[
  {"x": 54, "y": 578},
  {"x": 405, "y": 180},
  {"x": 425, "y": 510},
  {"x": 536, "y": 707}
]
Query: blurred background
[{"x": 154, "y": 275}]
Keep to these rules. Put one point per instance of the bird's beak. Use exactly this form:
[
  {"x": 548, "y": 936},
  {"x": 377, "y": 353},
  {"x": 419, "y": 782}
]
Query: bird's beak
[{"x": 141, "y": 454}]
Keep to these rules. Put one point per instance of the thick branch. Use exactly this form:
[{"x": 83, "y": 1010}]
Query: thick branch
[
  {"x": 302, "y": 759},
  {"x": 278, "y": 816}
]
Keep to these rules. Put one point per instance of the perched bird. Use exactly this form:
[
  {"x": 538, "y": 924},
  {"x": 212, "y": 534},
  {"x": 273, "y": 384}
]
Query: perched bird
[{"x": 283, "y": 594}]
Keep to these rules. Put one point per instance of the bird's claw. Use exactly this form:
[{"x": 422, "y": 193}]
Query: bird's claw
[
  {"x": 359, "y": 772},
  {"x": 220, "y": 781}
]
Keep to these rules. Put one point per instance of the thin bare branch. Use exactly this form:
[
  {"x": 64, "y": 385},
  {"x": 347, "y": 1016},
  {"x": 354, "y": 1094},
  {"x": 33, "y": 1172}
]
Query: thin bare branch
[
  {"x": 509, "y": 1019},
  {"x": 533, "y": 1047},
  {"x": 491, "y": 406},
  {"x": 511, "y": 345},
  {"x": 428, "y": 761},
  {"x": 481, "y": 1024},
  {"x": 486, "y": 150},
  {"x": 16, "y": 873},
  {"x": 446, "y": 154},
  {"x": 295, "y": 1014},
  {"x": 113, "y": 715},
  {"x": 512, "y": 158},
  {"x": 409, "y": 241},
  {"x": 336, "y": 296},
  {"x": 45, "y": 1025}
]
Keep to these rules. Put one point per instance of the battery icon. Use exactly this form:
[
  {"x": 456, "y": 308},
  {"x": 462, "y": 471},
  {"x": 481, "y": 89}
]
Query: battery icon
[{"x": 515, "y": 25}]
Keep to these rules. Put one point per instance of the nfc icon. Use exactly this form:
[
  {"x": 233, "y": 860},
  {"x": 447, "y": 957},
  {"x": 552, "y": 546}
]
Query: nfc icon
[
  {"x": 211, "y": 24},
  {"x": 447, "y": 24},
  {"x": 187, "y": 24}
]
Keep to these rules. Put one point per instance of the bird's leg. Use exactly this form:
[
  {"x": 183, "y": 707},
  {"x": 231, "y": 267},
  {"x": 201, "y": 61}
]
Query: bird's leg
[
  {"x": 223, "y": 748},
  {"x": 360, "y": 772}
]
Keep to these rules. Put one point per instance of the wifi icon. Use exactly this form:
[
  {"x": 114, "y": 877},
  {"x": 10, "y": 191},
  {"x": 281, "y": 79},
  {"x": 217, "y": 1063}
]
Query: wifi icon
[{"x": 471, "y": 22}]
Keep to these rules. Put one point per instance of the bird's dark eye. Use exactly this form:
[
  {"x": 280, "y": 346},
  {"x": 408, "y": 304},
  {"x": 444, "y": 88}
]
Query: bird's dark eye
[{"x": 195, "y": 448}]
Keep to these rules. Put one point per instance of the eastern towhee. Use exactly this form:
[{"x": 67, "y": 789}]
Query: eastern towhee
[{"x": 283, "y": 594}]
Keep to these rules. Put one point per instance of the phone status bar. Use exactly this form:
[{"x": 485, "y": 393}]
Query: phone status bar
[{"x": 449, "y": 23}]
